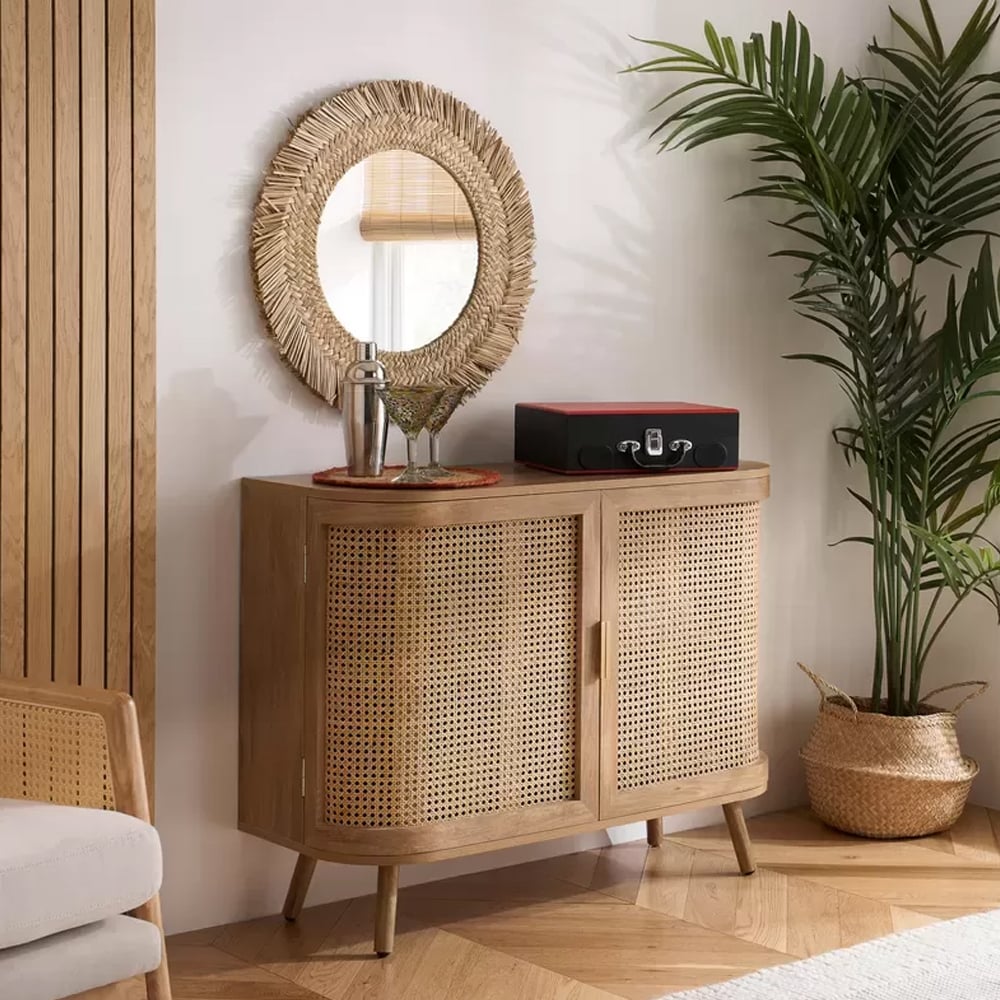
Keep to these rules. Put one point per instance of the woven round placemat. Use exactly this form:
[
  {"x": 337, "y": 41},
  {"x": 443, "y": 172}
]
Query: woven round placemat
[{"x": 462, "y": 478}]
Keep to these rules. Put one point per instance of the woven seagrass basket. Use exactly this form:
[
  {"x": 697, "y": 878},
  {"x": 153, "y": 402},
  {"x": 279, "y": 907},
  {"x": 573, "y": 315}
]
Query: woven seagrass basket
[{"x": 881, "y": 776}]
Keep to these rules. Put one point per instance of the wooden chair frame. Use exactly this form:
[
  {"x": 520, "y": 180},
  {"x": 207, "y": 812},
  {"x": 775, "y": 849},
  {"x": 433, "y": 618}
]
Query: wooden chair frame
[{"x": 127, "y": 778}]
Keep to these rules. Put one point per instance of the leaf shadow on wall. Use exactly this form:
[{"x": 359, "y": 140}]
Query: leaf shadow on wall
[
  {"x": 617, "y": 265},
  {"x": 579, "y": 57}
]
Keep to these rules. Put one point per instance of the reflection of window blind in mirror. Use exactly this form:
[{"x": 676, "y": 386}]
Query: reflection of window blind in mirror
[{"x": 410, "y": 197}]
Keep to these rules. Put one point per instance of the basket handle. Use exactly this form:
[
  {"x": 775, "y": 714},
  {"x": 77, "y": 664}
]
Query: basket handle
[
  {"x": 983, "y": 686},
  {"x": 824, "y": 686}
]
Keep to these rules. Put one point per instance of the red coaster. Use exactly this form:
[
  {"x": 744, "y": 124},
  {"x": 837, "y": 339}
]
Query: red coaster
[{"x": 462, "y": 478}]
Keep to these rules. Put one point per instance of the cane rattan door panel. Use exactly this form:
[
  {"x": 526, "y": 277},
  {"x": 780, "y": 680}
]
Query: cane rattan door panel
[
  {"x": 452, "y": 674},
  {"x": 681, "y": 697}
]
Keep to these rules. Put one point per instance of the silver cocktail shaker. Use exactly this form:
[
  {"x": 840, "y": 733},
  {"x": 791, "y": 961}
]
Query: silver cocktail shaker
[{"x": 365, "y": 423}]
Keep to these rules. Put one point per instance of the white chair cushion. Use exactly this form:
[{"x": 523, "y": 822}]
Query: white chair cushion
[
  {"x": 62, "y": 867},
  {"x": 83, "y": 959}
]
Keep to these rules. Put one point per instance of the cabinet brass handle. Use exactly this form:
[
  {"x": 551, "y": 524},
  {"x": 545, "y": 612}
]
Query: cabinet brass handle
[{"x": 604, "y": 650}]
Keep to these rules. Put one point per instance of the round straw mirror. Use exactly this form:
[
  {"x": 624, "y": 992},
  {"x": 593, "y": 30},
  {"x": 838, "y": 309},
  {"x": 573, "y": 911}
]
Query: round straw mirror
[{"x": 446, "y": 303}]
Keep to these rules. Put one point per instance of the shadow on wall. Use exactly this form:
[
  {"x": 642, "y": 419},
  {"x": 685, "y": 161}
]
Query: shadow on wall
[
  {"x": 581, "y": 67},
  {"x": 588, "y": 307},
  {"x": 633, "y": 300}
]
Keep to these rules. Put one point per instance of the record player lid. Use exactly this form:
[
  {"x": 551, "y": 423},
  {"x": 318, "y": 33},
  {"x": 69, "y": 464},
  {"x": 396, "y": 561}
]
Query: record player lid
[{"x": 576, "y": 409}]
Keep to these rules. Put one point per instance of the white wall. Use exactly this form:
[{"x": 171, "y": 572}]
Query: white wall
[{"x": 649, "y": 285}]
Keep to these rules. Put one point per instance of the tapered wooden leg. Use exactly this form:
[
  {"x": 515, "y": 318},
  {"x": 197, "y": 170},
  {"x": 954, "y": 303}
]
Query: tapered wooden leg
[
  {"x": 157, "y": 981},
  {"x": 654, "y": 832},
  {"x": 299, "y": 886},
  {"x": 385, "y": 909},
  {"x": 740, "y": 837}
]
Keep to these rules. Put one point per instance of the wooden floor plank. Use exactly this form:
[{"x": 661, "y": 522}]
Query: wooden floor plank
[
  {"x": 614, "y": 871},
  {"x": 712, "y": 893},
  {"x": 625, "y": 921},
  {"x": 619, "y": 871},
  {"x": 762, "y": 909},
  {"x": 862, "y": 919},
  {"x": 454, "y": 968},
  {"x": 923, "y": 889},
  {"x": 520, "y": 882},
  {"x": 796, "y": 839},
  {"x": 813, "y": 919},
  {"x": 667, "y": 879},
  {"x": 909, "y": 920},
  {"x": 973, "y": 838},
  {"x": 279, "y": 946},
  {"x": 344, "y": 965},
  {"x": 620, "y": 948},
  {"x": 579, "y": 868},
  {"x": 995, "y": 825},
  {"x": 201, "y": 972}
]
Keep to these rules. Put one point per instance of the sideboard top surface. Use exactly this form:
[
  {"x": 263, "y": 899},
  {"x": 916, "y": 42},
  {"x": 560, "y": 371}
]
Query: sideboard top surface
[{"x": 519, "y": 480}]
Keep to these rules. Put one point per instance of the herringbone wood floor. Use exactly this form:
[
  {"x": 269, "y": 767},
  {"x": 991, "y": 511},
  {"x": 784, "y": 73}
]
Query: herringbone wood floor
[{"x": 625, "y": 921}]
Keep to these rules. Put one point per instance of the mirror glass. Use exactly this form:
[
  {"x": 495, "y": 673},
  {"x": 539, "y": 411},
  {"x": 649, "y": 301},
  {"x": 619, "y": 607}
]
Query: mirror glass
[{"x": 397, "y": 250}]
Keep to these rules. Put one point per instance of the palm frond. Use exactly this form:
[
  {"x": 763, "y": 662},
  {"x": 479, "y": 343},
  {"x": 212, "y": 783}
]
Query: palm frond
[
  {"x": 937, "y": 171},
  {"x": 839, "y": 140}
]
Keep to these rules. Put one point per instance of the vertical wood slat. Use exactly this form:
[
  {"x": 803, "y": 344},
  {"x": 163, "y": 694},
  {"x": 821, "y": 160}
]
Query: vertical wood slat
[
  {"x": 66, "y": 562},
  {"x": 119, "y": 358},
  {"x": 93, "y": 341},
  {"x": 77, "y": 345},
  {"x": 39, "y": 342},
  {"x": 144, "y": 371},
  {"x": 13, "y": 357}
]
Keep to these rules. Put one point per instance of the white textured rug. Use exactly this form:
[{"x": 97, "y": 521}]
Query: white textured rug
[{"x": 957, "y": 960}]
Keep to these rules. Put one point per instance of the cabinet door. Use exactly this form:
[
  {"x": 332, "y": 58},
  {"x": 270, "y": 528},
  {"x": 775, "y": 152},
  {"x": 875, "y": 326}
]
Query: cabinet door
[
  {"x": 679, "y": 705},
  {"x": 453, "y": 670}
]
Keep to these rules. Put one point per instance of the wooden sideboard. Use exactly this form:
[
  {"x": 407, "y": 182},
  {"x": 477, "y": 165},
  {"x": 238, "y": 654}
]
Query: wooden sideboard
[{"x": 432, "y": 673}]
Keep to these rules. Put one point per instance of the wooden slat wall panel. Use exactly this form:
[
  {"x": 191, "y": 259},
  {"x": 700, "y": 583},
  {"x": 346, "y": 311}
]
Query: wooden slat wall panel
[
  {"x": 13, "y": 317},
  {"x": 144, "y": 362},
  {"x": 66, "y": 565},
  {"x": 119, "y": 378},
  {"x": 40, "y": 191},
  {"x": 93, "y": 339},
  {"x": 77, "y": 369}
]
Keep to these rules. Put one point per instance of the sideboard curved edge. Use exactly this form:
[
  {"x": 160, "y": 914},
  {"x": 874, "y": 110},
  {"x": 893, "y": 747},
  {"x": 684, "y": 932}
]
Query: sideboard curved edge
[{"x": 718, "y": 789}]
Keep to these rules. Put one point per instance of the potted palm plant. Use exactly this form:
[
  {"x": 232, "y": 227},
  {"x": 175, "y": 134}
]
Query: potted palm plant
[{"x": 874, "y": 180}]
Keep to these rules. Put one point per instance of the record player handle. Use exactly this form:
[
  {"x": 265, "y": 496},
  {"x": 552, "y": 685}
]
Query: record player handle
[{"x": 676, "y": 452}]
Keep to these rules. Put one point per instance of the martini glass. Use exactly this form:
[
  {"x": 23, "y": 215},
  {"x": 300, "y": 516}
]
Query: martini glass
[
  {"x": 409, "y": 407},
  {"x": 451, "y": 398}
]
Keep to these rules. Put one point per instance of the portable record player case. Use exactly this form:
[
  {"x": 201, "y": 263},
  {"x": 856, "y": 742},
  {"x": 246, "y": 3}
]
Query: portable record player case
[{"x": 579, "y": 438}]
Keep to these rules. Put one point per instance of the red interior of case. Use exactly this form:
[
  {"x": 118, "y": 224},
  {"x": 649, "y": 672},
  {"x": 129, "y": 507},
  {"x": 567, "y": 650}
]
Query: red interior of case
[{"x": 628, "y": 408}]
